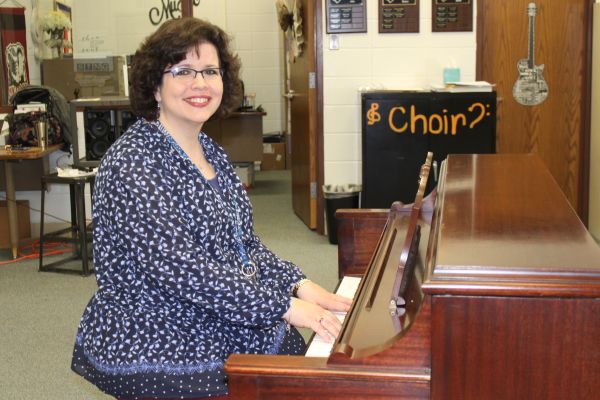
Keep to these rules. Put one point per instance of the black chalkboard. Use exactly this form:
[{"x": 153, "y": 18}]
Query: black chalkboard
[{"x": 399, "y": 128}]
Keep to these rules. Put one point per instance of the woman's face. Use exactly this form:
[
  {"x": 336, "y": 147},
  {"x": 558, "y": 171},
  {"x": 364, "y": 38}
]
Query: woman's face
[{"x": 187, "y": 102}]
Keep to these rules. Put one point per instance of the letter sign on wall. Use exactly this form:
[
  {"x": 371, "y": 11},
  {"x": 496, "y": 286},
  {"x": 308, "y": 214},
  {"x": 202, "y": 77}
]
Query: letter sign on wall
[{"x": 399, "y": 128}]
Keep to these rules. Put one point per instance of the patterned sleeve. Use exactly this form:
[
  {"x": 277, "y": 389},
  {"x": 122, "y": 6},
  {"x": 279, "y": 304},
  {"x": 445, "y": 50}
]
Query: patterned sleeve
[
  {"x": 144, "y": 217},
  {"x": 273, "y": 270}
]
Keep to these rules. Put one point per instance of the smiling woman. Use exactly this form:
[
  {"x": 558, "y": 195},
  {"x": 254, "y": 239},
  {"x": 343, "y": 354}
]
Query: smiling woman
[
  {"x": 183, "y": 281},
  {"x": 187, "y": 101},
  {"x": 159, "y": 53}
]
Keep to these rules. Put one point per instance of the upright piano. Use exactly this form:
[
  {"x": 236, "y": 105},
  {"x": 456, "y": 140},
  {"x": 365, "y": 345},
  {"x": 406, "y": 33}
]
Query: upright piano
[{"x": 489, "y": 291}]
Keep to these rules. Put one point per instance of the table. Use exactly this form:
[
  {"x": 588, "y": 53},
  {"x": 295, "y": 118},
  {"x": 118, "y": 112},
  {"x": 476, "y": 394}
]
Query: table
[
  {"x": 240, "y": 134},
  {"x": 9, "y": 158}
]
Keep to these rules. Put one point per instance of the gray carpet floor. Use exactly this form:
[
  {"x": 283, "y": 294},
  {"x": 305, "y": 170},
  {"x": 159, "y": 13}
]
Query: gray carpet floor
[{"x": 39, "y": 312}]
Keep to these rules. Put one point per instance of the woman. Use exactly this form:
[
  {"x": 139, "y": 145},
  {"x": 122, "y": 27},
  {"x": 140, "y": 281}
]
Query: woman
[{"x": 183, "y": 281}]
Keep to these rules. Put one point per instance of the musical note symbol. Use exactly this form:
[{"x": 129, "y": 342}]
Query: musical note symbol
[{"x": 372, "y": 115}]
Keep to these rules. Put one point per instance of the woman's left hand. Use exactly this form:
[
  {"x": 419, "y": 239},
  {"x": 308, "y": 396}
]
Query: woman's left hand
[{"x": 313, "y": 293}]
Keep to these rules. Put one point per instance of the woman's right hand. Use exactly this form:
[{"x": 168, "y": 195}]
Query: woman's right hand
[{"x": 303, "y": 314}]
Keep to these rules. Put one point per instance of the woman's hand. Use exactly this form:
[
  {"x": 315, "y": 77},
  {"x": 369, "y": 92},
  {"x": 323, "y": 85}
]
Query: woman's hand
[
  {"x": 313, "y": 293},
  {"x": 303, "y": 314}
]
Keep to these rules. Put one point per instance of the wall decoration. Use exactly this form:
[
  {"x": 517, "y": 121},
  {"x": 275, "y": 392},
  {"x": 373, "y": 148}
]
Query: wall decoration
[
  {"x": 399, "y": 128},
  {"x": 14, "y": 51},
  {"x": 68, "y": 32},
  {"x": 349, "y": 16},
  {"x": 297, "y": 30},
  {"x": 55, "y": 24},
  {"x": 291, "y": 24},
  {"x": 169, "y": 9},
  {"x": 36, "y": 32},
  {"x": 284, "y": 17},
  {"x": 531, "y": 88}
]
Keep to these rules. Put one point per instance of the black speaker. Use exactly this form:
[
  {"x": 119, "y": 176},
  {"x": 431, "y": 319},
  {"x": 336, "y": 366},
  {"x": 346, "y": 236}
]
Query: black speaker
[
  {"x": 100, "y": 122},
  {"x": 125, "y": 119},
  {"x": 100, "y": 132}
]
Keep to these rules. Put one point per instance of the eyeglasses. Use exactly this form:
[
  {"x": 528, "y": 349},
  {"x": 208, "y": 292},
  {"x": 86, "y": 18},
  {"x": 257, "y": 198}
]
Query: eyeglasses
[{"x": 185, "y": 74}]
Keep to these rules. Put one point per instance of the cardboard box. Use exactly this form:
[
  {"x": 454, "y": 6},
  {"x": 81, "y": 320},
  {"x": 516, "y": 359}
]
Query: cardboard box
[
  {"x": 101, "y": 77},
  {"x": 273, "y": 156},
  {"x": 245, "y": 171},
  {"x": 60, "y": 74},
  {"x": 94, "y": 77},
  {"x": 22, "y": 217}
]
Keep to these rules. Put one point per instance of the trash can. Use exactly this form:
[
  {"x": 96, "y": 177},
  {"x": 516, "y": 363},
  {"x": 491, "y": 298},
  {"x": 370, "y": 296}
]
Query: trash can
[{"x": 337, "y": 197}]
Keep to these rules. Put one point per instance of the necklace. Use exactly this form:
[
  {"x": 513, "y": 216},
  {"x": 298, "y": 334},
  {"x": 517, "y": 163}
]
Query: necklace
[{"x": 248, "y": 267}]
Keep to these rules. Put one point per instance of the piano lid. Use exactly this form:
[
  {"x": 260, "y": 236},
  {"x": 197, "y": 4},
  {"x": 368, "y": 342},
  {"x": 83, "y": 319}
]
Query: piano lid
[{"x": 503, "y": 225}]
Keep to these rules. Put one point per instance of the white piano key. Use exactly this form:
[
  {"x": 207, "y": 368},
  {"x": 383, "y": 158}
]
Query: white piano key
[{"x": 319, "y": 347}]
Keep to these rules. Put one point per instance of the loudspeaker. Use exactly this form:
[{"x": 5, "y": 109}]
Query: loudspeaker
[
  {"x": 125, "y": 119},
  {"x": 100, "y": 132},
  {"x": 100, "y": 122}
]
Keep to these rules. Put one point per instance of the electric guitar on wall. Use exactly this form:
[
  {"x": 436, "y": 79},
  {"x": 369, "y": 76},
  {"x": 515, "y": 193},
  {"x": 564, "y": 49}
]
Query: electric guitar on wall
[{"x": 531, "y": 88}]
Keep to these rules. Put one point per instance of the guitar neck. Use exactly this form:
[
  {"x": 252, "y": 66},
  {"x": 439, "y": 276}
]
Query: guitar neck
[{"x": 530, "y": 50}]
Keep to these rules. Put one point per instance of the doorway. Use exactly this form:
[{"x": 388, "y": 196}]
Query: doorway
[
  {"x": 305, "y": 102},
  {"x": 557, "y": 129}
]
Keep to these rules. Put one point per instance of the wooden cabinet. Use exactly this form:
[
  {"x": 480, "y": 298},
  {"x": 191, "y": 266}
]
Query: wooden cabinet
[{"x": 240, "y": 134}]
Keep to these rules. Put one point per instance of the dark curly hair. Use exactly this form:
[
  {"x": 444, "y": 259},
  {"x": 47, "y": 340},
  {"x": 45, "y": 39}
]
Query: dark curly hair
[{"x": 169, "y": 45}]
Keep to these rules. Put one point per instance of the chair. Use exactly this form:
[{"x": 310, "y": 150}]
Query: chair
[{"x": 81, "y": 235}]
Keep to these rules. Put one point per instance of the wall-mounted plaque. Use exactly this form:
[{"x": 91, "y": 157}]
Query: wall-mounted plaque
[
  {"x": 398, "y": 16},
  {"x": 346, "y": 16},
  {"x": 452, "y": 16}
]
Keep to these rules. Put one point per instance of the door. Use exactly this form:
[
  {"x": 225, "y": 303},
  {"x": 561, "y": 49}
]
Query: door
[
  {"x": 302, "y": 95},
  {"x": 558, "y": 128}
]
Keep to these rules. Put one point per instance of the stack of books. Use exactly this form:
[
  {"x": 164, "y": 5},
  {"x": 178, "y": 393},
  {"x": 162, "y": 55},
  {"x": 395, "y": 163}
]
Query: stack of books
[
  {"x": 459, "y": 87},
  {"x": 30, "y": 107}
]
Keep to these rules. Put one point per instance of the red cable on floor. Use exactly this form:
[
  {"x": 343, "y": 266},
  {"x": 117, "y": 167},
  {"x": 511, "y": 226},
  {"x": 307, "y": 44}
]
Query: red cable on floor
[{"x": 60, "y": 248}]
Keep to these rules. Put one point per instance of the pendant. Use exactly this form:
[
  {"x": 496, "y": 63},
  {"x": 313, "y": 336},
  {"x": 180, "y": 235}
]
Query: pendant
[{"x": 249, "y": 270}]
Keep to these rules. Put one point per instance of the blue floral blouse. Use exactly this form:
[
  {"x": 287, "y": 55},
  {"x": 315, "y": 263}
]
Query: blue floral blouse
[{"x": 172, "y": 303}]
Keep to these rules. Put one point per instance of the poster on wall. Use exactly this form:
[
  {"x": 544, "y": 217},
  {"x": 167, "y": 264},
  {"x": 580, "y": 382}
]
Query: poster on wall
[{"x": 13, "y": 37}]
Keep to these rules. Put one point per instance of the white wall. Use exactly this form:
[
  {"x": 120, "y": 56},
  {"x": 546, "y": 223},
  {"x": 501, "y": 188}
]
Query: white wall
[
  {"x": 258, "y": 41},
  {"x": 381, "y": 61}
]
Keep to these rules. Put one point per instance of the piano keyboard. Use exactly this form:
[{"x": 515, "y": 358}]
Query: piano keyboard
[{"x": 319, "y": 347}]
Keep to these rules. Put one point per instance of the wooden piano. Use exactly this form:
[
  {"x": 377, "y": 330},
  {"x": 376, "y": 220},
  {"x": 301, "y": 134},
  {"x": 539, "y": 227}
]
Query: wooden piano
[{"x": 493, "y": 292}]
